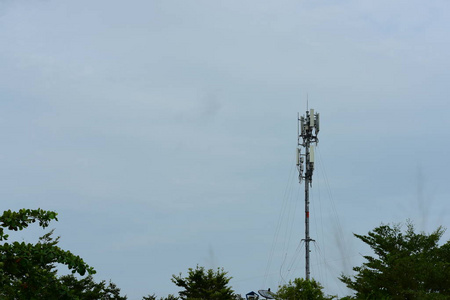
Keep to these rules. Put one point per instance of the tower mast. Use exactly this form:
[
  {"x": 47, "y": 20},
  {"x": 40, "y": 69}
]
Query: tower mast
[{"x": 308, "y": 129}]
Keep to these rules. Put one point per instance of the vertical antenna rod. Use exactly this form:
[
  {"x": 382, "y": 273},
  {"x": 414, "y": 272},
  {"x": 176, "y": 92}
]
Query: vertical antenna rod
[{"x": 308, "y": 128}]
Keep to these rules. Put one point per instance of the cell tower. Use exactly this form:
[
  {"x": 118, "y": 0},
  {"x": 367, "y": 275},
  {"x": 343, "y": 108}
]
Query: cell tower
[{"x": 307, "y": 131}]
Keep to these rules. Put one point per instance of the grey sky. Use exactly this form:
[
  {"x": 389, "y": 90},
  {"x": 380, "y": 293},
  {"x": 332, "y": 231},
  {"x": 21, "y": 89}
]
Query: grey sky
[{"x": 163, "y": 132}]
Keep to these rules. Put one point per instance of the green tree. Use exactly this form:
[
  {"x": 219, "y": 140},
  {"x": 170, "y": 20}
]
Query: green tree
[
  {"x": 204, "y": 285},
  {"x": 27, "y": 271},
  {"x": 302, "y": 289},
  {"x": 406, "y": 265},
  {"x": 87, "y": 289}
]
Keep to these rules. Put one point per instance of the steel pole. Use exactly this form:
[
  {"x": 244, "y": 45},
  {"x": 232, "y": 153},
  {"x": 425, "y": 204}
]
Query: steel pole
[{"x": 307, "y": 238}]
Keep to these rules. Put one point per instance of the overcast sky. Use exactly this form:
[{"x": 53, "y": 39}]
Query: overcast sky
[{"x": 164, "y": 132}]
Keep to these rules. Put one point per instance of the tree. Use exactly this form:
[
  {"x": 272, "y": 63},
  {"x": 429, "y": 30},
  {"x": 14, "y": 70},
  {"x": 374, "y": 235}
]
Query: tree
[
  {"x": 87, "y": 289},
  {"x": 27, "y": 271},
  {"x": 205, "y": 285},
  {"x": 405, "y": 266},
  {"x": 302, "y": 289}
]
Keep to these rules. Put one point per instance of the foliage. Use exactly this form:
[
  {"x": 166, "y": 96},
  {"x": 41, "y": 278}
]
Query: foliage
[
  {"x": 202, "y": 284},
  {"x": 19, "y": 220},
  {"x": 27, "y": 271},
  {"x": 405, "y": 266},
  {"x": 302, "y": 289},
  {"x": 170, "y": 297},
  {"x": 87, "y": 289}
]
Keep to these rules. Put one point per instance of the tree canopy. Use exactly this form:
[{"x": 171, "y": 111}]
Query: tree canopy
[
  {"x": 87, "y": 289},
  {"x": 204, "y": 284},
  {"x": 28, "y": 271},
  {"x": 406, "y": 265},
  {"x": 302, "y": 289}
]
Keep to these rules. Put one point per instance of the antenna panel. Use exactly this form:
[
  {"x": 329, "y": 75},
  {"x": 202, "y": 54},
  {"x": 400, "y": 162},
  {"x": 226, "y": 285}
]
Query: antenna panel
[
  {"x": 317, "y": 122},
  {"x": 302, "y": 124},
  {"x": 311, "y": 154},
  {"x": 311, "y": 117},
  {"x": 297, "y": 159}
]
